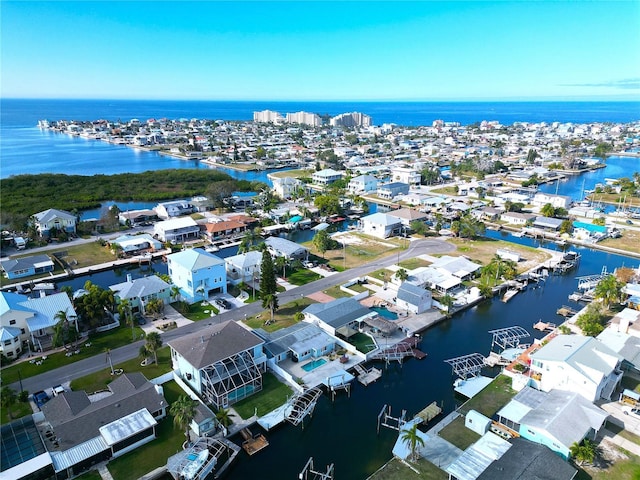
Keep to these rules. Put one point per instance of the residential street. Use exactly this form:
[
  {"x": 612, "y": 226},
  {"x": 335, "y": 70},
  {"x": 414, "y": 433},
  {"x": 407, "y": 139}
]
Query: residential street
[{"x": 99, "y": 362}]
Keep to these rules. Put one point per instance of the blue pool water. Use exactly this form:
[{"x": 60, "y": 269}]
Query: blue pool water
[
  {"x": 313, "y": 364},
  {"x": 383, "y": 312}
]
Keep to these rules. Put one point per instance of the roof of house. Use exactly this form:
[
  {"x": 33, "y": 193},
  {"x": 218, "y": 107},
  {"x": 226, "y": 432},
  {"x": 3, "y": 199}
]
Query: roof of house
[
  {"x": 458, "y": 266},
  {"x": 223, "y": 226},
  {"x": 364, "y": 178},
  {"x": 393, "y": 185},
  {"x": 215, "y": 343},
  {"x": 327, "y": 172},
  {"x": 412, "y": 294},
  {"x": 528, "y": 461},
  {"x": 9, "y": 333},
  {"x": 140, "y": 287},
  {"x": 25, "y": 263},
  {"x": 282, "y": 245},
  {"x": 408, "y": 214},
  {"x": 43, "y": 309},
  {"x": 75, "y": 419},
  {"x": 175, "y": 223},
  {"x": 194, "y": 259},
  {"x": 549, "y": 222},
  {"x": 382, "y": 219},
  {"x": 245, "y": 260},
  {"x": 338, "y": 312},
  {"x": 586, "y": 355},
  {"x": 299, "y": 337},
  {"x": 51, "y": 214}
]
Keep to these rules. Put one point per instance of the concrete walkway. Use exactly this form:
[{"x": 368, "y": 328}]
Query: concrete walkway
[
  {"x": 104, "y": 472},
  {"x": 610, "y": 437}
]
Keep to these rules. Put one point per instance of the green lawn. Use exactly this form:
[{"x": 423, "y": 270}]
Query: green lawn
[
  {"x": 302, "y": 277},
  {"x": 97, "y": 381},
  {"x": 397, "y": 470},
  {"x": 459, "y": 435},
  {"x": 197, "y": 311},
  {"x": 90, "y": 475},
  {"x": 18, "y": 410},
  {"x": 282, "y": 318},
  {"x": 273, "y": 394},
  {"x": 362, "y": 342},
  {"x": 627, "y": 469},
  {"x": 492, "y": 398},
  {"x": 335, "y": 292},
  {"x": 612, "y": 427},
  {"x": 100, "y": 342}
]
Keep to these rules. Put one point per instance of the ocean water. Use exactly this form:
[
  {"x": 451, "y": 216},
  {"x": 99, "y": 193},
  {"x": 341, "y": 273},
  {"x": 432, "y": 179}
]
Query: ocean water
[{"x": 26, "y": 149}]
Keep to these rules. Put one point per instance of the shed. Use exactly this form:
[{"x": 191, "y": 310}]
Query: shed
[{"x": 477, "y": 422}]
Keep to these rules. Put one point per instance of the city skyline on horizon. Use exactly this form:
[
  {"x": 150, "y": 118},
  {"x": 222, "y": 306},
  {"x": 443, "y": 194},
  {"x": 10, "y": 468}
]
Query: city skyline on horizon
[{"x": 322, "y": 51}]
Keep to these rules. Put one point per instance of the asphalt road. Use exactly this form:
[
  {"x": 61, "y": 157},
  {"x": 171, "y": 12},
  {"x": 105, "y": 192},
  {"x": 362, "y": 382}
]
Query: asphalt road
[{"x": 99, "y": 362}]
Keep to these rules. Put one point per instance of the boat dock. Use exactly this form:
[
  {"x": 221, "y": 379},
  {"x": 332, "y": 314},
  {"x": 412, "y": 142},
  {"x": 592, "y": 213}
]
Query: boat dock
[
  {"x": 565, "y": 311},
  {"x": 406, "y": 347},
  {"x": 253, "y": 443},
  {"x": 365, "y": 377},
  {"x": 545, "y": 326},
  {"x": 509, "y": 294},
  {"x": 302, "y": 405},
  {"x": 428, "y": 413}
]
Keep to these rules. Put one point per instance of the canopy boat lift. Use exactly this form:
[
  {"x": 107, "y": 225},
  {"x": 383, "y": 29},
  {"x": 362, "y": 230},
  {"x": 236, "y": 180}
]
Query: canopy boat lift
[
  {"x": 301, "y": 405},
  {"x": 309, "y": 472}
]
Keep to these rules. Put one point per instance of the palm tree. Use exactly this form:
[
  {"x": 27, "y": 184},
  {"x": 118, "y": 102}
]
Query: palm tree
[
  {"x": 402, "y": 274},
  {"x": 413, "y": 440},
  {"x": 609, "y": 290},
  {"x": 175, "y": 292},
  {"x": 8, "y": 398},
  {"x": 183, "y": 411},
  {"x": 224, "y": 417},
  {"x": 152, "y": 344},
  {"x": 124, "y": 310},
  {"x": 270, "y": 301},
  {"x": 61, "y": 328},
  {"x": 584, "y": 452}
]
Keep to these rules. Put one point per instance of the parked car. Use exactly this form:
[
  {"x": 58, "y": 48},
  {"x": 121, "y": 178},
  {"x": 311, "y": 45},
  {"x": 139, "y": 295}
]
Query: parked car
[
  {"x": 40, "y": 398},
  {"x": 57, "y": 390},
  {"x": 635, "y": 412},
  {"x": 222, "y": 303}
]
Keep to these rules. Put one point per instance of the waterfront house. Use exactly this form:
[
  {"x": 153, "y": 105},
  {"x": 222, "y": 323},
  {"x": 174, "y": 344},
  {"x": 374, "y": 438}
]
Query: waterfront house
[
  {"x": 413, "y": 298},
  {"x": 622, "y": 336},
  {"x": 81, "y": 432},
  {"x": 408, "y": 215},
  {"x": 244, "y": 267},
  {"x": 410, "y": 176},
  {"x": 222, "y": 363},
  {"x": 200, "y": 203},
  {"x": 197, "y": 274},
  {"x": 556, "y": 419},
  {"x": 136, "y": 244},
  {"x": 381, "y": 225},
  {"x": 540, "y": 199},
  {"x": 548, "y": 224},
  {"x": 363, "y": 184},
  {"x": 285, "y": 187},
  {"x": 34, "y": 317},
  {"x": 177, "y": 230},
  {"x": 389, "y": 191},
  {"x": 517, "y": 218},
  {"x": 223, "y": 229},
  {"x": 175, "y": 208},
  {"x": 326, "y": 177},
  {"x": 27, "y": 266},
  {"x": 299, "y": 342},
  {"x": 339, "y": 313},
  {"x": 281, "y": 247},
  {"x": 53, "y": 219},
  {"x": 10, "y": 342},
  {"x": 138, "y": 292},
  {"x": 136, "y": 217},
  {"x": 579, "y": 364},
  {"x": 459, "y": 267}
]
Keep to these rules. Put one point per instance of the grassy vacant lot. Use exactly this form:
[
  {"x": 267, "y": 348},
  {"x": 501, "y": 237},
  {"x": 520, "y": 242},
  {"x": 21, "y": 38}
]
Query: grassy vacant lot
[
  {"x": 282, "y": 318},
  {"x": 459, "y": 435},
  {"x": 445, "y": 191},
  {"x": 492, "y": 398},
  {"x": 360, "y": 249},
  {"x": 154, "y": 454},
  {"x": 482, "y": 251},
  {"x": 293, "y": 173},
  {"x": 620, "y": 469},
  {"x": 395, "y": 469},
  {"x": 99, "y": 380},
  {"x": 84, "y": 255},
  {"x": 629, "y": 241},
  {"x": 100, "y": 342},
  {"x": 413, "y": 263},
  {"x": 273, "y": 394}
]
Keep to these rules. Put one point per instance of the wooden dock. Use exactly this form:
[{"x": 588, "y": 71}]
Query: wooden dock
[
  {"x": 253, "y": 443},
  {"x": 565, "y": 311},
  {"x": 429, "y": 412},
  {"x": 544, "y": 326},
  {"x": 365, "y": 377}
]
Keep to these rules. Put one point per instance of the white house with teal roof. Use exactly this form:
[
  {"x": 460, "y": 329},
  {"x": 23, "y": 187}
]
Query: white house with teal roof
[{"x": 197, "y": 274}]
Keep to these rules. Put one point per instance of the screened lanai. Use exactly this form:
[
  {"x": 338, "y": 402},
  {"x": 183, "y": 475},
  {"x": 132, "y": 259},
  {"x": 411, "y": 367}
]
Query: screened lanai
[{"x": 231, "y": 379}]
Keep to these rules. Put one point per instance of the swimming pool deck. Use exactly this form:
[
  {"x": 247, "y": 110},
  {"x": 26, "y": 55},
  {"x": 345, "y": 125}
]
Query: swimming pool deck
[{"x": 319, "y": 375}]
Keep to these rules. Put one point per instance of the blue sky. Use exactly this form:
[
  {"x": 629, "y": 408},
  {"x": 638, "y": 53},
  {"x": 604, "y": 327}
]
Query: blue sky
[{"x": 321, "y": 50}]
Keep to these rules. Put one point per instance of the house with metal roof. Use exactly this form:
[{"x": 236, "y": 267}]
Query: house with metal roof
[
  {"x": 53, "y": 219},
  {"x": 413, "y": 298},
  {"x": 197, "y": 274},
  {"x": 281, "y": 247},
  {"x": 459, "y": 267},
  {"x": 222, "y": 363},
  {"x": 177, "y": 230},
  {"x": 244, "y": 267},
  {"x": 381, "y": 225},
  {"x": 548, "y": 223},
  {"x": 408, "y": 215},
  {"x": 579, "y": 364},
  {"x": 174, "y": 208},
  {"x": 80, "y": 431},
  {"x": 27, "y": 266},
  {"x": 389, "y": 191},
  {"x": 139, "y": 291},
  {"x": 362, "y": 184},
  {"x": 342, "y": 312},
  {"x": 34, "y": 317},
  {"x": 556, "y": 419},
  {"x": 135, "y": 244},
  {"x": 299, "y": 342}
]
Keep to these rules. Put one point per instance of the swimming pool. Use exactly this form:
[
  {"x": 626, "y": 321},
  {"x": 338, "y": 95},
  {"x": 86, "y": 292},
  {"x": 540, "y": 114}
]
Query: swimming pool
[
  {"x": 383, "y": 312},
  {"x": 313, "y": 364}
]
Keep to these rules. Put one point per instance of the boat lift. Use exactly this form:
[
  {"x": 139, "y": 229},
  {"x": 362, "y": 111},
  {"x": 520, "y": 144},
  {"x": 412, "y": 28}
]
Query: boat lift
[
  {"x": 302, "y": 405},
  {"x": 385, "y": 419},
  {"x": 508, "y": 337},
  {"x": 309, "y": 473},
  {"x": 467, "y": 365}
]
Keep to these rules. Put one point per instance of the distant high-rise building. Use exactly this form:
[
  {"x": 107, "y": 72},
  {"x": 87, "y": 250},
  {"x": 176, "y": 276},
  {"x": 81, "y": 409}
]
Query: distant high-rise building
[
  {"x": 267, "y": 116},
  {"x": 304, "y": 118},
  {"x": 353, "y": 119}
]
